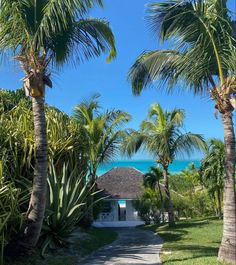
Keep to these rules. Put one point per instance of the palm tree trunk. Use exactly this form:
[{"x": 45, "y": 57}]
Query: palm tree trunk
[
  {"x": 215, "y": 203},
  {"x": 28, "y": 237},
  {"x": 171, "y": 216},
  {"x": 36, "y": 209},
  {"x": 219, "y": 203},
  {"x": 89, "y": 216},
  {"x": 162, "y": 202},
  {"x": 227, "y": 251}
]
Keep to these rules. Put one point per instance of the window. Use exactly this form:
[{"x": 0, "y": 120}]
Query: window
[{"x": 106, "y": 207}]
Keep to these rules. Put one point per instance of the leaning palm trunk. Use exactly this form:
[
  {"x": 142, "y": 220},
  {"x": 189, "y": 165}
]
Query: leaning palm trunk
[
  {"x": 36, "y": 209},
  {"x": 171, "y": 217},
  {"x": 28, "y": 237},
  {"x": 227, "y": 250}
]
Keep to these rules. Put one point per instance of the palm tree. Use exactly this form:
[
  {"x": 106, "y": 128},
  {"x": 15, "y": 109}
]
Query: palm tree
[
  {"x": 41, "y": 35},
  {"x": 101, "y": 133},
  {"x": 203, "y": 59},
  {"x": 102, "y": 136},
  {"x": 160, "y": 135},
  {"x": 212, "y": 171},
  {"x": 151, "y": 180}
]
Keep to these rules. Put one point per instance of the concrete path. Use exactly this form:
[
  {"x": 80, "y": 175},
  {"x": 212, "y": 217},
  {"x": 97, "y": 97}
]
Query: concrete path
[{"x": 133, "y": 246}]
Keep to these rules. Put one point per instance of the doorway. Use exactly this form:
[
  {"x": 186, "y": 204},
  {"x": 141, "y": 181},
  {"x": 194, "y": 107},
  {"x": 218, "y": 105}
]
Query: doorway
[{"x": 122, "y": 210}]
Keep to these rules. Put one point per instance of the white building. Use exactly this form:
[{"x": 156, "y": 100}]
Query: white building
[{"x": 122, "y": 185}]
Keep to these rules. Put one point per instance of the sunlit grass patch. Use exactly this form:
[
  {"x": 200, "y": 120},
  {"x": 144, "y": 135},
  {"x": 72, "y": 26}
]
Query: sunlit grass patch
[{"x": 190, "y": 242}]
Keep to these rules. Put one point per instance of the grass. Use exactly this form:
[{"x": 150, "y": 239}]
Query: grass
[
  {"x": 192, "y": 242},
  {"x": 97, "y": 239},
  {"x": 91, "y": 240}
]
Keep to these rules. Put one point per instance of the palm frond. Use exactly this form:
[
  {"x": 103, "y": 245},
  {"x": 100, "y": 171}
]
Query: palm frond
[
  {"x": 204, "y": 47},
  {"x": 133, "y": 142},
  {"x": 81, "y": 40},
  {"x": 151, "y": 66},
  {"x": 189, "y": 142}
]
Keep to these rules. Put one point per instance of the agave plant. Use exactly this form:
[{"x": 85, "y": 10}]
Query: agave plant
[{"x": 67, "y": 197}]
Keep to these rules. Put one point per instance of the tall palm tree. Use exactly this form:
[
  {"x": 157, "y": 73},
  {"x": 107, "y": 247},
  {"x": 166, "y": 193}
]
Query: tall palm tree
[
  {"x": 203, "y": 59},
  {"x": 152, "y": 180},
  {"x": 212, "y": 170},
  {"x": 161, "y": 135},
  {"x": 42, "y": 34}
]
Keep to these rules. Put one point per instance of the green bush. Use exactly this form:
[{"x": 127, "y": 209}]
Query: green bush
[
  {"x": 17, "y": 142},
  {"x": 67, "y": 199},
  {"x": 148, "y": 206},
  {"x": 11, "y": 217},
  {"x": 194, "y": 204}
]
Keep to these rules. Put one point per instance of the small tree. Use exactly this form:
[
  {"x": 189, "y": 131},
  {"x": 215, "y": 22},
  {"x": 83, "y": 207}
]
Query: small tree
[
  {"x": 152, "y": 180},
  {"x": 148, "y": 206}
]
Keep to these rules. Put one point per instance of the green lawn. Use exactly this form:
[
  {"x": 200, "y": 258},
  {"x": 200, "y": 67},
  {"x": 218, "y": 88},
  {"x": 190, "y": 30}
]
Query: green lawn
[
  {"x": 94, "y": 238},
  {"x": 192, "y": 242}
]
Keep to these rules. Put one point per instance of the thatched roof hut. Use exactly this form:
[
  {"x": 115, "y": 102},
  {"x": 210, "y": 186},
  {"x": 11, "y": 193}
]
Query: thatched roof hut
[{"x": 121, "y": 183}]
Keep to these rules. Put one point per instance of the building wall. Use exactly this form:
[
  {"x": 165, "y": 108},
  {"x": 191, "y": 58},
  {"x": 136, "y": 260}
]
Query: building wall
[
  {"x": 131, "y": 213},
  {"x": 115, "y": 210}
]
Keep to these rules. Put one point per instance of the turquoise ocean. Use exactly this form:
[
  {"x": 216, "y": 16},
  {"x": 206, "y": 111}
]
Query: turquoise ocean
[{"x": 144, "y": 165}]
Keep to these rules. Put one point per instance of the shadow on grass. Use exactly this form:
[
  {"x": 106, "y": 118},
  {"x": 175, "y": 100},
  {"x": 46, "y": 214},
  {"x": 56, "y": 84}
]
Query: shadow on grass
[
  {"x": 196, "y": 253},
  {"x": 196, "y": 249},
  {"x": 177, "y": 232},
  {"x": 172, "y": 236},
  {"x": 178, "y": 240},
  {"x": 190, "y": 223}
]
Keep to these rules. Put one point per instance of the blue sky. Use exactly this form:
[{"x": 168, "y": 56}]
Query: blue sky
[{"x": 96, "y": 76}]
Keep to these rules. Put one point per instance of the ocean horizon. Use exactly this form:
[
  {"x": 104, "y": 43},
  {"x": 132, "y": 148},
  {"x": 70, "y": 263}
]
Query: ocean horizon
[{"x": 144, "y": 165}]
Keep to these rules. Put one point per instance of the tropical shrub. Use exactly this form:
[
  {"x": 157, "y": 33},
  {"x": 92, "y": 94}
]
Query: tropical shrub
[
  {"x": 67, "y": 202},
  {"x": 190, "y": 198},
  {"x": 65, "y": 143},
  {"x": 9, "y": 99},
  {"x": 212, "y": 172},
  {"x": 182, "y": 205},
  {"x": 11, "y": 217},
  {"x": 148, "y": 205},
  {"x": 152, "y": 180}
]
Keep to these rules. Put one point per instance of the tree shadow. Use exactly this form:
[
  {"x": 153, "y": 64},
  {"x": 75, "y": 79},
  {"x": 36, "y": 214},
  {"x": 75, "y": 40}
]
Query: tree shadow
[
  {"x": 196, "y": 251},
  {"x": 179, "y": 232}
]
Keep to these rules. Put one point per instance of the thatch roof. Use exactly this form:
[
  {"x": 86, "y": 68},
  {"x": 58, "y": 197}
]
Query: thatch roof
[{"x": 121, "y": 183}]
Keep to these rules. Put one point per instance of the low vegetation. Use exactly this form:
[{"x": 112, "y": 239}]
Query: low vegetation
[
  {"x": 83, "y": 244},
  {"x": 70, "y": 192},
  {"x": 190, "y": 242}
]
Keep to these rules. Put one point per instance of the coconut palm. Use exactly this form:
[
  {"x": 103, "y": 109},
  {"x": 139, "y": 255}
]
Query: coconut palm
[
  {"x": 41, "y": 35},
  {"x": 212, "y": 171},
  {"x": 152, "y": 180},
  {"x": 101, "y": 133},
  {"x": 203, "y": 60},
  {"x": 161, "y": 135},
  {"x": 102, "y": 136}
]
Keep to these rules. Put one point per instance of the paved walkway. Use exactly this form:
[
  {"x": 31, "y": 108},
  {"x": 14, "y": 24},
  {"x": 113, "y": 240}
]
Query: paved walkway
[{"x": 133, "y": 246}]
